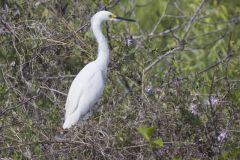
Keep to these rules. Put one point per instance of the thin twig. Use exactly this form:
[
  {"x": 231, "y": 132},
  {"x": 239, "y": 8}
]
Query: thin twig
[
  {"x": 56, "y": 77},
  {"x": 45, "y": 142},
  {"x": 192, "y": 19},
  {"x": 160, "y": 19},
  {"x": 78, "y": 30},
  {"x": 158, "y": 34},
  {"x": 215, "y": 64},
  {"x": 54, "y": 90},
  {"x": 161, "y": 57}
]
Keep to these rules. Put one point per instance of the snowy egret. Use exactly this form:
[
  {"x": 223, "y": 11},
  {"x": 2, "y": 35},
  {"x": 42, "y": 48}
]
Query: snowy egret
[{"x": 87, "y": 87}]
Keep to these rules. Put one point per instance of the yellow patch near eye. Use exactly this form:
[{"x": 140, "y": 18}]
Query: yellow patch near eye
[{"x": 112, "y": 16}]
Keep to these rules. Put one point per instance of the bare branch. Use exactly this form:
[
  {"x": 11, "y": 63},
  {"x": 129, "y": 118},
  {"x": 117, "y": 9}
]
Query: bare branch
[
  {"x": 161, "y": 57},
  {"x": 192, "y": 19},
  {"x": 54, "y": 90}
]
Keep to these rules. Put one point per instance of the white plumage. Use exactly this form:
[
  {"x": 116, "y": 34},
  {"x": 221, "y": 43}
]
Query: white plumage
[{"x": 88, "y": 85}]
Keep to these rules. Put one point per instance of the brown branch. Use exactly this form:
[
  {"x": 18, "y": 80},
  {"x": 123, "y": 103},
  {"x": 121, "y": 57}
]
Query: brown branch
[
  {"x": 216, "y": 64},
  {"x": 45, "y": 142},
  {"x": 161, "y": 57},
  {"x": 2, "y": 112},
  {"x": 160, "y": 19},
  {"x": 192, "y": 19},
  {"x": 55, "y": 77},
  {"x": 78, "y": 30},
  {"x": 9, "y": 28},
  {"x": 54, "y": 90}
]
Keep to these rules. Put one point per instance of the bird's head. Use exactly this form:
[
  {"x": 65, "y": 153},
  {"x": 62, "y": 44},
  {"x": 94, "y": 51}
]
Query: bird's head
[{"x": 108, "y": 16}]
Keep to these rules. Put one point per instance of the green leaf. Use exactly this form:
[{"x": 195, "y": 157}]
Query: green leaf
[
  {"x": 176, "y": 158},
  {"x": 106, "y": 2},
  {"x": 232, "y": 154},
  {"x": 158, "y": 142},
  {"x": 146, "y": 132},
  {"x": 45, "y": 13}
]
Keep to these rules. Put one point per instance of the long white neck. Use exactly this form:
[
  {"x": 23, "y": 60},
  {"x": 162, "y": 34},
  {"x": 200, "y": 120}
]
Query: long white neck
[{"x": 103, "y": 50}]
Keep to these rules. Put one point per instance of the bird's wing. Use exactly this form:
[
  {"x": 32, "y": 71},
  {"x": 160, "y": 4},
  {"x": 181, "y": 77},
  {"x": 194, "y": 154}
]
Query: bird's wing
[
  {"x": 88, "y": 96},
  {"x": 78, "y": 86},
  {"x": 91, "y": 93}
]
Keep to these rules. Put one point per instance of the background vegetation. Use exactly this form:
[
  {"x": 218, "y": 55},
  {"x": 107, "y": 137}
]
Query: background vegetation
[{"x": 173, "y": 81}]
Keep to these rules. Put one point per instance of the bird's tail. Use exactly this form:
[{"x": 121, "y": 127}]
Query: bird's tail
[{"x": 71, "y": 120}]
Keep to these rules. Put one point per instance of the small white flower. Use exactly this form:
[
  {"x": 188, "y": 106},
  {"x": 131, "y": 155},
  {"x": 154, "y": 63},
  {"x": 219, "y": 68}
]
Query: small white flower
[
  {"x": 148, "y": 88},
  {"x": 213, "y": 100},
  {"x": 222, "y": 136},
  {"x": 177, "y": 109},
  {"x": 193, "y": 109},
  {"x": 13, "y": 63}
]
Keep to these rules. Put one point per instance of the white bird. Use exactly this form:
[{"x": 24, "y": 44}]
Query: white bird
[{"x": 88, "y": 85}]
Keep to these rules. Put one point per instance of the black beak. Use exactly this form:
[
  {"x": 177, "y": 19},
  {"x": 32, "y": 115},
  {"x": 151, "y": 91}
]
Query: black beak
[{"x": 125, "y": 19}]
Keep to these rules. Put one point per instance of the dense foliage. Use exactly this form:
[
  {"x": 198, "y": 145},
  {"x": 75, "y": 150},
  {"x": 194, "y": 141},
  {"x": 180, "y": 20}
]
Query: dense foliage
[{"x": 173, "y": 81}]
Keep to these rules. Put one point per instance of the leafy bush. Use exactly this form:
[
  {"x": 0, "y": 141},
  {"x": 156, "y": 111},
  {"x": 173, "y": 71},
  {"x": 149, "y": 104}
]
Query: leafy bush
[{"x": 176, "y": 71}]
